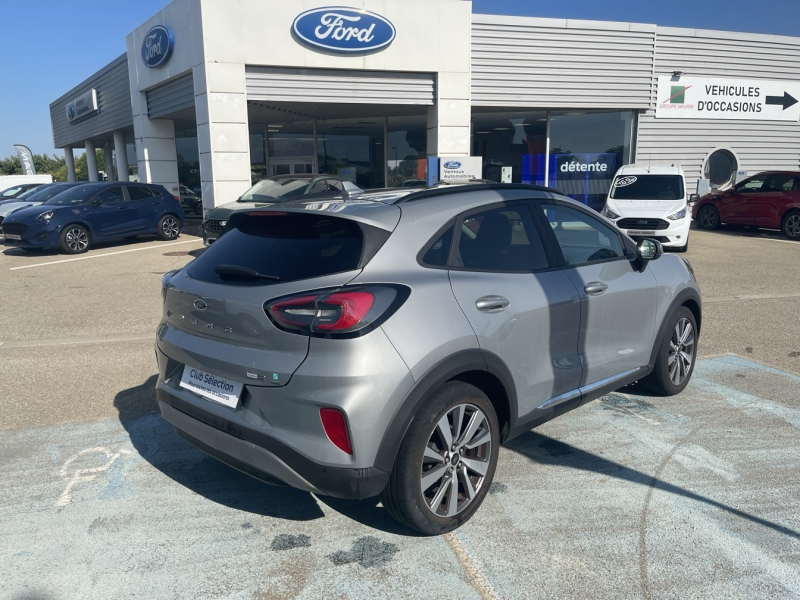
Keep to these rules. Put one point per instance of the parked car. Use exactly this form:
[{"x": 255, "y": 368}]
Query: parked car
[
  {"x": 770, "y": 199},
  {"x": 33, "y": 197},
  {"x": 8, "y": 181},
  {"x": 91, "y": 212},
  {"x": 15, "y": 191},
  {"x": 386, "y": 343},
  {"x": 652, "y": 202},
  {"x": 191, "y": 202},
  {"x": 267, "y": 192}
]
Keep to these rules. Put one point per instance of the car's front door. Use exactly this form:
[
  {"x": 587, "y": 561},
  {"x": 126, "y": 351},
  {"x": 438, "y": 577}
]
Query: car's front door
[
  {"x": 736, "y": 206},
  {"x": 523, "y": 309},
  {"x": 108, "y": 213},
  {"x": 618, "y": 302}
]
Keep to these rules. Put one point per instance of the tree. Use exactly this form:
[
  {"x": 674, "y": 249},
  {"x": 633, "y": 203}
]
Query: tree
[{"x": 53, "y": 165}]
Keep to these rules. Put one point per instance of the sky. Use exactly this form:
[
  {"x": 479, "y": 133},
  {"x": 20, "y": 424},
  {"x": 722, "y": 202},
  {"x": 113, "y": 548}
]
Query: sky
[{"x": 49, "y": 46}]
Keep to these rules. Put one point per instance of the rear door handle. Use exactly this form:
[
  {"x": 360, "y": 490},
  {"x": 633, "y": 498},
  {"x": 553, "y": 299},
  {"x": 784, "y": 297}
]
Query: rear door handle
[
  {"x": 595, "y": 288},
  {"x": 491, "y": 304}
]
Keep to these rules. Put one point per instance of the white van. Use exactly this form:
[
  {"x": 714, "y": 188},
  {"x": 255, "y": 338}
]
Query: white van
[
  {"x": 7, "y": 181},
  {"x": 651, "y": 202}
]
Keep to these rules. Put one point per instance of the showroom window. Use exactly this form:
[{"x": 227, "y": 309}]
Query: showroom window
[
  {"x": 720, "y": 168},
  {"x": 575, "y": 152}
]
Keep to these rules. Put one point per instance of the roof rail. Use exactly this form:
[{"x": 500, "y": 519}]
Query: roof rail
[{"x": 477, "y": 187}]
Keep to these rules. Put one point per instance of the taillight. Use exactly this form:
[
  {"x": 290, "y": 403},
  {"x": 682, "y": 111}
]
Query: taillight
[
  {"x": 337, "y": 313},
  {"x": 177, "y": 198},
  {"x": 336, "y": 428}
]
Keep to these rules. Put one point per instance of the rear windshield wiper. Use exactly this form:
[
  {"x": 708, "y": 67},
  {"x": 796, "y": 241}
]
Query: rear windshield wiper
[{"x": 237, "y": 271}]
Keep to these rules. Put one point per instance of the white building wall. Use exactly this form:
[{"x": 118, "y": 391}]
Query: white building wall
[
  {"x": 155, "y": 138},
  {"x": 759, "y": 145}
]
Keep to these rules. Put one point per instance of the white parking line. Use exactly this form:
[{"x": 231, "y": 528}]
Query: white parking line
[{"x": 66, "y": 260}]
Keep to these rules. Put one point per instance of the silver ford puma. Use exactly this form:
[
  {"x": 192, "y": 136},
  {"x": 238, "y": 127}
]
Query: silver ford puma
[{"x": 387, "y": 343}]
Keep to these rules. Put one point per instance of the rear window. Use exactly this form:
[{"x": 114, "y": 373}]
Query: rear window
[
  {"x": 647, "y": 187},
  {"x": 278, "y": 247}
]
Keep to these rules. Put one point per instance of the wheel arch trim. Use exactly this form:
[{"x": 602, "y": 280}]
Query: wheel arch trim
[{"x": 451, "y": 368}]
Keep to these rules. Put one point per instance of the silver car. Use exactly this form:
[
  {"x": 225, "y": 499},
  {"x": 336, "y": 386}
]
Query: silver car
[{"x": 387, "y": 343}]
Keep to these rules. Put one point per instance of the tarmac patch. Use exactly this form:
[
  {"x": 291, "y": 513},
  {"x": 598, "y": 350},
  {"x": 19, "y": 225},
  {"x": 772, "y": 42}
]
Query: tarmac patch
[
  {"x": 367, "y": 551},
  {"x": 289, "y": 542}
]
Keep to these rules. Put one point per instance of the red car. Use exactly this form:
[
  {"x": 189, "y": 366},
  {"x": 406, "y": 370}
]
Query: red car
[{"x": 770, "y": 199}]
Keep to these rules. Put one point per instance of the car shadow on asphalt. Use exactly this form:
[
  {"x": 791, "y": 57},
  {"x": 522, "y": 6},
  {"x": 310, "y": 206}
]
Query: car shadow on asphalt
[
  {"x": 545, "y": 450},
  {"x": 156, "y": 441}
]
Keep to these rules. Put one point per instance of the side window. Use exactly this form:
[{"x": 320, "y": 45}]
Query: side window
[
  {"x": 113, "y": 194},
  {"x": 504, "y": 239},
  {"x": 318, "y": 187},
  {"x": 582, "y": 238},
  {"x": 437, "y": 254},
  {"x": 779, "y": 183},
  {"x": 139, "y": 193},
  {"x": 754, "y": 184}
]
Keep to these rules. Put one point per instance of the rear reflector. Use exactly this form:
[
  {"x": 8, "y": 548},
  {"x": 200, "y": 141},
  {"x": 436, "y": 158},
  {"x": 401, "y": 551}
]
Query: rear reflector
[{"x": 336, "y": 429}]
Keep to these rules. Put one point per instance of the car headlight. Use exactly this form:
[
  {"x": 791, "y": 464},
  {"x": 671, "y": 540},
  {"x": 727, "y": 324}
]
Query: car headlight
[
  {"x": 678, "y": 215},
  {"x": 45, "y": 217},
  {"x": 609, "y": 214}
]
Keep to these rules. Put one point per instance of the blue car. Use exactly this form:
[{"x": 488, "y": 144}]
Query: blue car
[{"x": 93, "y": 212}]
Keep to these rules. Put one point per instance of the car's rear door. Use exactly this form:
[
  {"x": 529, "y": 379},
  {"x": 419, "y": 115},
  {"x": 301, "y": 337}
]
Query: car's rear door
[
  {"x": 740, "y": 204},
  {"x": 148, "y": 205},
  {"x": 767, "y": 207},
  {"x": 618, "y": 302},
  {"x": 522, "y": 307}
]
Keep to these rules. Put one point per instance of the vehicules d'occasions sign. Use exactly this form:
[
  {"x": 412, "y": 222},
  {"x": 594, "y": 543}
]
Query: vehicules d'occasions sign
[
  {"x": 157, "y": 46},
  {"x": 343, "y": 29},
  {"x": 713, "y": 98}
]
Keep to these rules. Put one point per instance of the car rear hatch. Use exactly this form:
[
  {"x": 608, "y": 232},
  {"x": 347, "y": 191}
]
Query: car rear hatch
[{"x": 214, "y": 317}]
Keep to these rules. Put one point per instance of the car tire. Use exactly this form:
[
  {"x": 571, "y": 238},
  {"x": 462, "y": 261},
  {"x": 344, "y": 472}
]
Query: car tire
[
  {"x": 790, "y": 225},
  {"x": 707, "y": 217},
  {"x": 674, "y": 367},
  {"x": 169, "y": 227},
  {"x": 421, "y": 493},
  {"x": 75, "y": 239}
]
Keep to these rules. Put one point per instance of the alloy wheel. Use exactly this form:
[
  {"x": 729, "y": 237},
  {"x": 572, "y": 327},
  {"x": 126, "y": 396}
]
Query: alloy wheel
[
  {"x": 792, "y": 226},
  {"x": 681, "y": 351},
  {"x": 170, "y": 227},
  {"x": 456, "y": 460},
  {"x": 708, "y": 218},
  {"x": 76, "y": 239}
]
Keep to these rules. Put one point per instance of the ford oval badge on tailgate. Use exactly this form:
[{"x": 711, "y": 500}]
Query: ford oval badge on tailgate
[{"x": 342, "y": 29}]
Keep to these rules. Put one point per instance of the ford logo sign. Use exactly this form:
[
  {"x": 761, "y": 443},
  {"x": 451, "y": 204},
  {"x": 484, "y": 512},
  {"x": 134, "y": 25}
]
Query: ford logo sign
[
  {"x": 157, "y": 46},
  {"x": 200, "y": 304},
  {"x": 452, "y": 164},
  {"x": 70, "y": 111},
  {"x": 342, "y": 29}
]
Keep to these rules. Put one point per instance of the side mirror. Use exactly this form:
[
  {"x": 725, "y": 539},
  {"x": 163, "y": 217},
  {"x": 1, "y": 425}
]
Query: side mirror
[
  {"x": 95, "y": 203},
  {"x": 647, "y": 250},
  {"x": 694, "y": 198}
]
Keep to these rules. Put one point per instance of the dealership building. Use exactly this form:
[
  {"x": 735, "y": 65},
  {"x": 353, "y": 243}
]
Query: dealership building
[{"x": 214, "y": 94}]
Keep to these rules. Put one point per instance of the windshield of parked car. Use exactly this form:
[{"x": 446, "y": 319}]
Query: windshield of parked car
[
  {"x": 79, "y": 194},
  {"x": 647, "y": 187},
  {"x": 46, "y": 192},
  {"x": 270, "y": 190}
]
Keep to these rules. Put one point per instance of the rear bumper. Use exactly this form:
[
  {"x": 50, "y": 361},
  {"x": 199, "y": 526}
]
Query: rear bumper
[{"x": 265, "y": 457}]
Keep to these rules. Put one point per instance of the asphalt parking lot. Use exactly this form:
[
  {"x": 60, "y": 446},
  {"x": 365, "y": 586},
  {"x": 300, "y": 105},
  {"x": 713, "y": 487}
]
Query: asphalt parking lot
[{"x": 694, "y": 496}]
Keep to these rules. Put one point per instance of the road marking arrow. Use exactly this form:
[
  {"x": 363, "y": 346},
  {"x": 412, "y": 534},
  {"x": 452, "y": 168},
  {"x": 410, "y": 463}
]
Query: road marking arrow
[{"x": 786, "y": 100}]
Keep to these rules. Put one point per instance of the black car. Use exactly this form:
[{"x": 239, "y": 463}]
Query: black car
[{"x": 191, "y": 202}]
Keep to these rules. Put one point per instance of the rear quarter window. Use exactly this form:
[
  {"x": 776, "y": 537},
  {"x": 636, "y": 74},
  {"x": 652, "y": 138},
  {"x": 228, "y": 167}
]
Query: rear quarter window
[{"x": 289, "y": 246}]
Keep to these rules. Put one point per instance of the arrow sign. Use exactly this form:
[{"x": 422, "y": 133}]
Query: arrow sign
[{"x": 786, "y": 100}]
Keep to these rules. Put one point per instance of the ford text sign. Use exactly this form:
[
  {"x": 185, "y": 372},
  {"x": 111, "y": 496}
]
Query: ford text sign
[
  {"x": 157, "y": 46},
  {"x": 341, "y": 29}
]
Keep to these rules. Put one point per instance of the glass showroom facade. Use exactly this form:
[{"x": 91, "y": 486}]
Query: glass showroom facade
[{"x": 575, "y": 152}]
